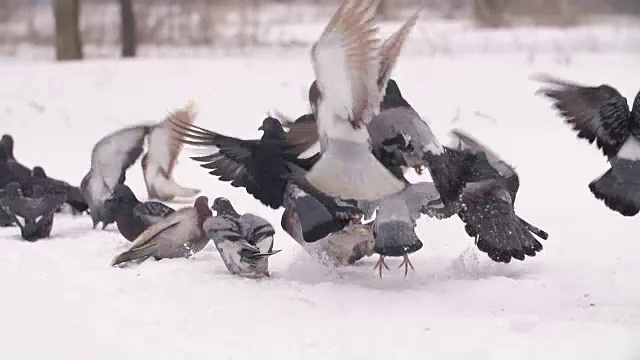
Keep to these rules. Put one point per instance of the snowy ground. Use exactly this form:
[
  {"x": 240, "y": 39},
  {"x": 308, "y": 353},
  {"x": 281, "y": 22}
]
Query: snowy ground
[{"x": 579, "y": 299}]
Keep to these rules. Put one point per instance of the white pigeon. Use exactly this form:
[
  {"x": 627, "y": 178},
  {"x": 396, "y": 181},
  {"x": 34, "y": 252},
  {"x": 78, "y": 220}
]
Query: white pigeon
[
  {"x": 161, "y": 157},
  {"x": 344, "y": 98}
]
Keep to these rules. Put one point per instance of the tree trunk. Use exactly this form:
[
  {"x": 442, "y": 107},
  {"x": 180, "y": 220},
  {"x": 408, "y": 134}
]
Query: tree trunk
[
  {"x": 128, "y": 29},
  {"x": 67, "y": 18}
]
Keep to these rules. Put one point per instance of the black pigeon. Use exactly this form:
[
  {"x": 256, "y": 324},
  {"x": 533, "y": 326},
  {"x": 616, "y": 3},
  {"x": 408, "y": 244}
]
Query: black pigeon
[
  {"x": 132, "y": 216},
  {"x": 36, "y": 211},
  {"x": 488, "y": 206},
  {"x": 7, "y": 218},
  {"x": 274, "y": 174},
  {"x": 15, "y": 166},
  {"x": 601, "y": 114},
  {"x": 72, "y": 194},
  {"x": 6, "y": 174}
]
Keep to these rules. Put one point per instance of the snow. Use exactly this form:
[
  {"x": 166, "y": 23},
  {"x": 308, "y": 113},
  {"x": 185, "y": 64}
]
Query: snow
[{"x": 579, "y": 298}]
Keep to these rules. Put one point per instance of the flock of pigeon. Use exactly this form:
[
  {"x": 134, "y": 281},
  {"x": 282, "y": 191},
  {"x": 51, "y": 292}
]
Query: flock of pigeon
[{"x": 347, "y": 201}]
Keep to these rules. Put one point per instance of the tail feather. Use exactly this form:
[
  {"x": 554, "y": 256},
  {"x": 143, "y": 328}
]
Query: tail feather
[
  {"x": 619, "y": 192},
  {"x": 137, "y": 254},
  {"x": 352, "y": 172},
  {"x": 395, "y": 238}
]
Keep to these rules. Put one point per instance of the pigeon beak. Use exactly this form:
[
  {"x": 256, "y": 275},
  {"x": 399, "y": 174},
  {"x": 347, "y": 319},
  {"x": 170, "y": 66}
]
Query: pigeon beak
[
  {"x": 261, "y": 127},
  {"x": 419, "y": 169}
]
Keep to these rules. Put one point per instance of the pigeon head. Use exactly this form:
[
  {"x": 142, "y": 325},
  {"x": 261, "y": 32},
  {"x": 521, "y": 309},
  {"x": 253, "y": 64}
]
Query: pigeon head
[
  {"x": 202, "y": 208},
  {"x": 314, "y": 97},
  {"x": 123, "y": 194},
  {"x": 13, "y": 189},
  {"x": 271, "y": 125},
  {"x": 7, "y": 143},
  {"x": 223, "y": 206},
  {"x": 38, "y": 172},
  {"x": 393, "y": 97}
]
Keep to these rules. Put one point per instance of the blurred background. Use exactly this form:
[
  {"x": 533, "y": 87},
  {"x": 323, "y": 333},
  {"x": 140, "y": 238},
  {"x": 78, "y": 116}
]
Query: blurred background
[{"x": 77, "y": 29}]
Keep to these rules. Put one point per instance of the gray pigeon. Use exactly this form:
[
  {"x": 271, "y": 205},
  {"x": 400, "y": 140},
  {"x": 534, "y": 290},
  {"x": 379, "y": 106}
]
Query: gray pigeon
[
  {"x": 37, "y": 211},
  {"x": 396, "y": 219},
  {"x": 488, "y": 206},
  {"x": 179, "y": 235},
  {"x": 602, "y": 115},
  {"x": 110, "y": 159},
  {"x": 245, "y": 242},
  {"x": 133, "y": 216}
]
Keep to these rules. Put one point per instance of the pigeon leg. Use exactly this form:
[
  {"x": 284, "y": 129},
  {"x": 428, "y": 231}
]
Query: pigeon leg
[
  {"x": 380, "y": 264},
  {"x": 407, "y": 264}
]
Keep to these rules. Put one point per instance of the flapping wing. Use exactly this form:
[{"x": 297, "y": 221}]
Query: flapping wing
[
  {"x": 346, "y": 62},
  {"x": 164, "y": 147},
  {"x": 391, "y": 48},
  {"x": 490, "y": 219},
  {"x": 116, "y": 152},
  {"x": 599, "y": 114}
]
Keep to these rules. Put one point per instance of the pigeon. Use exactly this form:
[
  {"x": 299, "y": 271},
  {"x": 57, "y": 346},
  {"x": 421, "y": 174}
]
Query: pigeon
[
  {"x": 110, "y": 159},
  {"x": 161, "y": 157},
  {"x": 37, "y": 211},
  {"x": 344, "y": 98},
  {"x": 394, "y": 225},
  {"x": 245, "y": 242},
  {"x": 6, "y": 174},
  {"x": 274, "y": 174},
  {"x": 132, "y": 216},
  {"x": 72, "y": 194},
  {"x": 7, "y": 218},
  {"x": 179, "y": 235},
  {"x": 401, "y": 139},
  {"x": 15, "y": 166},
  {"x": 601, "y": 114},
  {"x": 488, "y": 206}
]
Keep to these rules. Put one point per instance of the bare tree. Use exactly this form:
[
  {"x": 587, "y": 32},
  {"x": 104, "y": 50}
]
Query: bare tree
[
  {"x": 128, "y": 28},
  {"x": 490, "y": 13},
  {"x": 67, "y": 18}
]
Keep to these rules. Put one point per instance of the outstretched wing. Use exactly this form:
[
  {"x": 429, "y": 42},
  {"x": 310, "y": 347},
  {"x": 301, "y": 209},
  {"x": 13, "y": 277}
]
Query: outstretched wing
[
  {"x": 116, "y": 152},
  {"x": 391, "y": 48},
  {"x": 302, "y": 134},
  {"x": 599, "y": 114},
  {"x": 490, "y": 219},
  {"x": 346, "y": 62},
  {"x": 164, "y": 146}
]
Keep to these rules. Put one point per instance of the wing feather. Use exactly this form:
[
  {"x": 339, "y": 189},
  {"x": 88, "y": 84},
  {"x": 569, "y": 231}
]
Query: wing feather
[
  {"x": 346, "y": 61},
  {"x": 599, "y": 114}
]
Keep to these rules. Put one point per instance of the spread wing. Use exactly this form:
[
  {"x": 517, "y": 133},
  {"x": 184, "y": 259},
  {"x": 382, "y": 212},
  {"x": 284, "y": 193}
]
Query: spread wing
[
  {"x": 116, "y": 152},
  {"x": 164, "y": 146},
  {"x": 490, "y": 219},
  {"x": 391, "y": 48},
  {"x": 346, "y": 62},
  {"x": 599, "y": 114},
  {"x": 258, "y": 167}
]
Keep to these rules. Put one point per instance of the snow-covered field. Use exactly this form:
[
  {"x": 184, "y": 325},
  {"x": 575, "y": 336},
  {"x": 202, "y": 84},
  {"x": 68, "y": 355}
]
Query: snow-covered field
[{"x": 578, "y": 299}]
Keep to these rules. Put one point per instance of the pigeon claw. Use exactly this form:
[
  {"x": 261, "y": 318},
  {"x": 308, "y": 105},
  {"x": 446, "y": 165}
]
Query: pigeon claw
[
  {"x": 379, "y": 264},
  {"x": 407, "y": 264}
]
